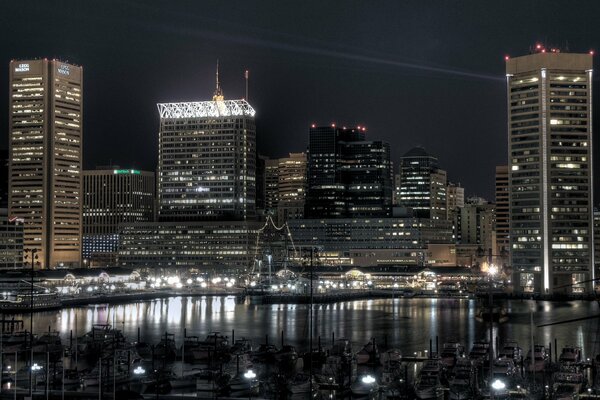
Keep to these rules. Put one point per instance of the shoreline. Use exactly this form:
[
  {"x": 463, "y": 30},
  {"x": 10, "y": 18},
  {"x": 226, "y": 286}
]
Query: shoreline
[{"x": 273, "y": 298}]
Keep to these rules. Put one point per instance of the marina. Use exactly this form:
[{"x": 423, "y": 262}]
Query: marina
[{"x": 220, "y": 347}]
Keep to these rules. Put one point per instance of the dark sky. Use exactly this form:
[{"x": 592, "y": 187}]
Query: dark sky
[{"x": 427, "y": 73}]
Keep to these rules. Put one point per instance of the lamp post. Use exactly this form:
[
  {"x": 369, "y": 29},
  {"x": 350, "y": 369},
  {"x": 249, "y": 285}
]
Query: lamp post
[
  {"x": 34, "y": 257},
  {"x": 491, "y": 272}
]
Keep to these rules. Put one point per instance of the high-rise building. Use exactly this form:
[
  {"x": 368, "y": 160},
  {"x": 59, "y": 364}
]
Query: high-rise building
[
  {"x": 348, "y": 176},
  {"x": 422, "y": 185},
  {"x": 45, "y": 134},
  {"x": 292, "y": 187},
  {"x": 502, "y": 210},
  {"x": 550, "y": 177},
  {"x": 207, "y": 160},
  {"x": 271, "y": 186},
  {"x": 475, "y": 225},
  {"x": 455, "y": 197},
  {"x": 113, "y": 197}
]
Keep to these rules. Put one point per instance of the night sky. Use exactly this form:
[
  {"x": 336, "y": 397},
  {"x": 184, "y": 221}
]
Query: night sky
[{"x": 427, "y": 73}]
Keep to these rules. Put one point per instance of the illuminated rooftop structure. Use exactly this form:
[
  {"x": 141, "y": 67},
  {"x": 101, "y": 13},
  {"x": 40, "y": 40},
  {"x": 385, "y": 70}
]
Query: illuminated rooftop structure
[{"x": 203, "y": 109}]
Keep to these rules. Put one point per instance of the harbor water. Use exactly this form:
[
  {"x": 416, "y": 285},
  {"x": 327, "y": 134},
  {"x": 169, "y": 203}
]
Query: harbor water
[{"x": 405, "y": 324}]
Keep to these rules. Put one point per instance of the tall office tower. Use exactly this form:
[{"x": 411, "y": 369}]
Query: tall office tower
[
  {"x": 271, "y": 186},
  {"x": 45, "y": 133},
  {"x": 502, "y": 210},
  {"x": 422, "y": 184},
  {"x": 455, "y": 197},
  {"x": 596, "y": 243},
  {"x": 550, "y": 159},
  {"x": 207, "y": 160},
  {"x": 261, "y": 183},
  {"x": 111, "y": 198},
  {"x": 292, "y": 187},
  {"x": 348, "y": 176}
]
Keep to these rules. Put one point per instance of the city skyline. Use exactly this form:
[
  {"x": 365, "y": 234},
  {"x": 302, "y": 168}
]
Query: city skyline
[{"x": 323, "y": 76}]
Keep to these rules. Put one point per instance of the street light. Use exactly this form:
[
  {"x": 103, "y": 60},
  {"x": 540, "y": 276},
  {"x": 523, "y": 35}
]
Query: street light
[
  {"x": 368, "y": 380},
  {"x": 498, "y": 385},
  {"x": 249, "y": 374}
]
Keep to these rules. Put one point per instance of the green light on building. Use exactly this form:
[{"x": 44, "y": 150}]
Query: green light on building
[{"x": 126, "y": 171}]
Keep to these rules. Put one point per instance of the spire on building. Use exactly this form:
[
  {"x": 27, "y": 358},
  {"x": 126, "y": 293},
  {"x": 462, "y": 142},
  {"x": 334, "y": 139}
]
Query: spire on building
[{"x": 218, "y": 95}]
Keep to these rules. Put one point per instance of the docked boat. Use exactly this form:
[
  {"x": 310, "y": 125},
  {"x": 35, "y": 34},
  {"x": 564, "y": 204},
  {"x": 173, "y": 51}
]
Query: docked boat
[
  {"x": 428, "y": 384},
  {"x": 480, "y": 352},
  {"x": 570, "y": 355},
  {"x": 511, "y": 350},
  {"x": 302, "y": 386},
  {"x": 22, "y": 303},
  {"x": 462, "y": 383},
  {"x": 369, "y": 354},
  {"x": 539, "y": 361},
  {"x": 244, "y": 385},
  {"x": 451, "y": 351},
  {"x": 365, "y": 388},
  {"x": 567, "y": 385}
]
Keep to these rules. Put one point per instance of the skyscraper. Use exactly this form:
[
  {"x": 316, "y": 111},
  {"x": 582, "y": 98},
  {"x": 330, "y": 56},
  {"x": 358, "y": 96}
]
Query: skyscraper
[
  {"x": 113, "y": 197},
  {"x": 271, "y": 186},
  {"x": 207, "y": 160},
  {"x": 502, "y": 210},
  {"x": 45, "y": 133},
  {"x": 550, "y": 159},
  {"x": 348, "y": 176},
  {"x": 292, "y": 187},
  {"x": 422, "y": 184}
]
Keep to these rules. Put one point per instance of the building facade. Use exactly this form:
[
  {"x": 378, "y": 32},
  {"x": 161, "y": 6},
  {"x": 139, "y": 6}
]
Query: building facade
[
  {"x": 347, "y": 176},
  {"x": 219, "y": 245},
  {"x": 502, "y": 210},
  {"x": 207, "y": 160},
  {"x": 422, "y": 185},
  {"x": 271, "y": 186},
  {"x": 45, "y": 158},
  {"x": 550, "y": 171},
  {"x": 475, "y": 224},
  {"x": 292, "y": 187},
  {"x": 11, "y": 241},
  {"x": 112, "y": 197}
]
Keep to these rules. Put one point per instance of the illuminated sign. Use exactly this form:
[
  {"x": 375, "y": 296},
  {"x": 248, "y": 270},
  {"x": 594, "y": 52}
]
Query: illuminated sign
[
  {"x": 64, "y": 69},
  {"x": 22, "y": 68},
  {"x": 126, "y": 171}
]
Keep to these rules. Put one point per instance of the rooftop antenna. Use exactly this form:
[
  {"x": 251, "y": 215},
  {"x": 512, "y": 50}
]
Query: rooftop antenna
[
  {"x": 218, "y": 96},
  {"x": 246, "y": 76}
]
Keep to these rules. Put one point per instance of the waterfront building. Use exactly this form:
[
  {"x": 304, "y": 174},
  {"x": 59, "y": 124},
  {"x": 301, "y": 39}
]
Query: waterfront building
[
  {"x": 597, "y": 243},
  {"x": 45, "y": 135},
  {"x": 550, "y": 171},
  {"x": 207, "y": 160},
  {"x": 292, "y": 187},
  {"x": 502, "y": 210},
  {"x": 366, "y": 240},
  {"x": 11, "y": 241},
  {"x": 347, "y": 175},
  {"x": 422, "y": 185},
  {"x": 113, "y": 196},
  {"x": 211, "y": 245}
]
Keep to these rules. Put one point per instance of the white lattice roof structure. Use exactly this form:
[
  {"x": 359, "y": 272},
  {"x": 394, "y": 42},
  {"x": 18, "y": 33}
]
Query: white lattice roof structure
[{"x": 202, "y": 109}]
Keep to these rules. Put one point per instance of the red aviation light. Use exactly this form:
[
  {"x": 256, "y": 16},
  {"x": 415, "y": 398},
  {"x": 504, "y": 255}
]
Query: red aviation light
[
  {"x": 313, "y": 126},
  {"x": 591, "y": 52},
  {"x": 506, "y": 58}
]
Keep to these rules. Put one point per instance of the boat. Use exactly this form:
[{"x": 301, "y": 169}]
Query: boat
[
  {"x": 511, "y": 350},
  {"x": 451, "y": 351},
  {"x": 301, "y": 386},
  {"x": 244, "y": 385},
  {"x": 210, "y": 384},
  {"x": 570, "y": 355},
  {"x": 428, "y": 383},
  {"x": 366, "y": 387},
  {"x": 369, "y": 354},
  {"x": 539, "y": 361},
  {"x": 22, "y": 303},
  {"x": 498, "y": 314},
  {"x": 480, "y": 352},
  {"x": 568, "y": 384},
  {"x": 462, "y": 383}
]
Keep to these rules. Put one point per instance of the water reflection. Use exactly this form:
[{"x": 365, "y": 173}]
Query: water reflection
[{"x": 407, "y": 324}]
